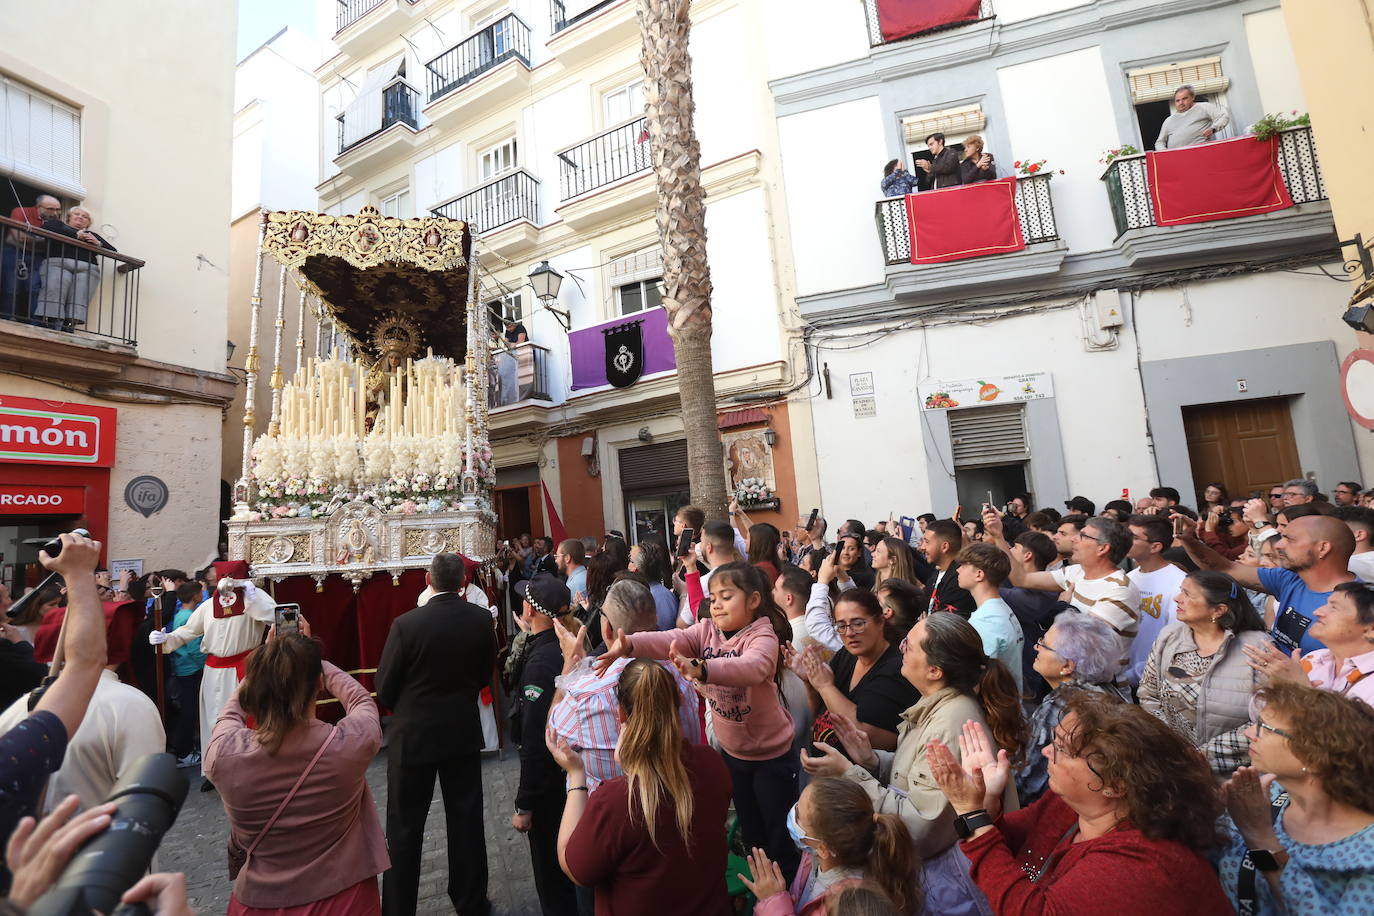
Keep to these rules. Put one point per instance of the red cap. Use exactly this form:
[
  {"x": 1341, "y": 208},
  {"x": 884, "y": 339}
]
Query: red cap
[{"x": 231, "y": 569}]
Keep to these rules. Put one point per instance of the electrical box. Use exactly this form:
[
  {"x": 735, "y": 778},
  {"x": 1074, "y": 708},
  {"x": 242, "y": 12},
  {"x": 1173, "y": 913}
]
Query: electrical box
[{"x": 1107, "y": 304}]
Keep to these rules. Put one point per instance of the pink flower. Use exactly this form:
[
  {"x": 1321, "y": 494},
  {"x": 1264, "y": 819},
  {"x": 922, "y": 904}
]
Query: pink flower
[
  {"x": 1295, "y": 111},
  {"x": 408, "y": 507},
  {"x": 1016, "y": 164}
]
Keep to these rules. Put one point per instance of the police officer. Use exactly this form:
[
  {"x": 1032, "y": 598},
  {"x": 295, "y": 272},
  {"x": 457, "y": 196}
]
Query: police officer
[{"x": 539, "y": 799}]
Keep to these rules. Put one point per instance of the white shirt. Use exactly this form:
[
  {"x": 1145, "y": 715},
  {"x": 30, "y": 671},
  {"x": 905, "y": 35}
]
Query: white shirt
[
  {"x": 1362, "y": 565},
  {"x": 1114, "y": 599},
  {"x": 1157, "y": 610},
  {"x": 121, "y": 727}
]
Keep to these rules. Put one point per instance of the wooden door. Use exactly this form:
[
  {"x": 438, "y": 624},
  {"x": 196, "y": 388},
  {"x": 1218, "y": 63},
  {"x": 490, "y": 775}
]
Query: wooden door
[{"x": 1247, "y": 445}]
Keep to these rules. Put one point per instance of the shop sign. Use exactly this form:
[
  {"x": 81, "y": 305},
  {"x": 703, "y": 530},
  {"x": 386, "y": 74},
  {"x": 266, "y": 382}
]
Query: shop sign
[
  {"x": 34, "y": 431},
  {"x": 33, "y": 499},
  {"x": 986, "y": 391}
]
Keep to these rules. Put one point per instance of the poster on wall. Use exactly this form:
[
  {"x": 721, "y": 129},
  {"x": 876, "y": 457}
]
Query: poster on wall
[
  {"x": 985, "y": 391},
  {"x": 749, "y": 469}
]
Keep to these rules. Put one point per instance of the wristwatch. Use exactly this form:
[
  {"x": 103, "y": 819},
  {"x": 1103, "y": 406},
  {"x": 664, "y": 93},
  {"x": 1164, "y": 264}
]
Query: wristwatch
[
  {"x": 1267, "y": 859},
  {"x": 965, "y": 825}
]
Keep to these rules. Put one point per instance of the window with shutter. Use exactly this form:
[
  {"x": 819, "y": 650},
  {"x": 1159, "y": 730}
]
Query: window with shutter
[
  {"x": 662, "y": 465},
  {"x": 1154, "y": 84},
  {"x": 988, "y": 435},
  {"x": 40, "y": 139},
  {"x": 954, "y": 123}
]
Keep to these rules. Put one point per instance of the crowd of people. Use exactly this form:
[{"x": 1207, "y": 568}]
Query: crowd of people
[
  {"x": 1190, "y": 123},
  {"x": 1151, "y": 709}
]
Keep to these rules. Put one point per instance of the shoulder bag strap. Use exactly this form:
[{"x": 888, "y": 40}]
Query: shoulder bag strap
[{"x": 289, "y": 795}]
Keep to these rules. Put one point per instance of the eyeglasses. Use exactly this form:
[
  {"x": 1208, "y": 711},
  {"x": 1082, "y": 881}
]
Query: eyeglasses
[
  {"x": 851, "y": 626},
  {"x": 1040, "y": 644},
  {"x": 1262, "y": 726},
  {"x": 1085, "y": 536}
]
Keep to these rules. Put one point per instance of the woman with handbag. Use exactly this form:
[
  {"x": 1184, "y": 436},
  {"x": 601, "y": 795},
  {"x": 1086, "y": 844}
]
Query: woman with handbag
[{"x": 304, "y": 836}]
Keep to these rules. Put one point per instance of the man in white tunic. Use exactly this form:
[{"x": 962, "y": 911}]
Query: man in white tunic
[{"x": 229, "y": 633}]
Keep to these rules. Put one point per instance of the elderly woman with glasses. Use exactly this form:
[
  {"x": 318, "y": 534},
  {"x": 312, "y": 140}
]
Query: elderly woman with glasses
[
  {"x": 1132, "y": 808},
  {"x": 1303, "y": 832},
  {"x": 71, "y": 274},
  {"x": 1197, "y": 677},
  {"x": 1078, "y": 653}
]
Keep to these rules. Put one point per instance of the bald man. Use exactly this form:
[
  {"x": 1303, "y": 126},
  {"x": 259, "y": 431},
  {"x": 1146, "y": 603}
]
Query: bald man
[{"x": 1315, "y": 555}]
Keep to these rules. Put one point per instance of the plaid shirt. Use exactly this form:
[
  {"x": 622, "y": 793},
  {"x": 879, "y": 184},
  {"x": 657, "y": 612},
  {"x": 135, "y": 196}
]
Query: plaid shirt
[
  {"x": 1034, "y": 778},
  {"x": 586, "y": 716}
]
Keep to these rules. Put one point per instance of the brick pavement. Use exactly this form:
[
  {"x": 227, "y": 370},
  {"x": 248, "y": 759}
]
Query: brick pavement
[{"x": 195, "y": 844}]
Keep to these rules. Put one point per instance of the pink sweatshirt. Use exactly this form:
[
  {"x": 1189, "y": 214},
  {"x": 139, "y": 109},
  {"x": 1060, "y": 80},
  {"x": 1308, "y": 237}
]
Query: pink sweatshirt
[{"x": 749, "y": 717}]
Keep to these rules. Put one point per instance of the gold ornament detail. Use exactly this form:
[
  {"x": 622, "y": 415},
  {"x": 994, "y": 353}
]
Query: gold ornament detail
[
  {"x": 396, "y": 339},
  {"x": 431, "y": 242}
]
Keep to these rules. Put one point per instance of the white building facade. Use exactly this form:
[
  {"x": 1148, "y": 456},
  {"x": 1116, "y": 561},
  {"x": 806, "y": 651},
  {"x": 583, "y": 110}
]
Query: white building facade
[
  {"x": 1136, "y": 354},
  {"x": 526, "y": 118}
]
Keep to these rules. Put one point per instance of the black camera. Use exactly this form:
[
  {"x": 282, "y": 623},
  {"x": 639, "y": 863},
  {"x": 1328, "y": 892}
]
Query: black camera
[
  {"x": 1225, "y": 519},
  {"x": 149, "y": 798},
  {"x": 52, "y": 547}
]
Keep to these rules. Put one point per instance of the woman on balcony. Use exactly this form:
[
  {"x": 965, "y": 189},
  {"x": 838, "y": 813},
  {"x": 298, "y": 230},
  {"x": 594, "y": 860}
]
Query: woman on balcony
[
  {"x": 70, "y": 274},
  {"x": 977, "y": 165}
]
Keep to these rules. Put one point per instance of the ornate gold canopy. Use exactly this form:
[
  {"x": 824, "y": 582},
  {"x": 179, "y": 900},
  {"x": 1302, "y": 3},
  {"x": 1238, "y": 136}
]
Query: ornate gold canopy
[{"x": 366, "y": 266}]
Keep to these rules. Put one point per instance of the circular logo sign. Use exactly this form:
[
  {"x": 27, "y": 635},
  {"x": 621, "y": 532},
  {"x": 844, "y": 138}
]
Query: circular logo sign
[{"x": 146, "y": 495}]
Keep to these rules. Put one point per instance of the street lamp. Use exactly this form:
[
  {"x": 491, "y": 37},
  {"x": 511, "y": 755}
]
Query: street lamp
[
  {"x": 229, "y": 348},
  {"x": 546, "y": 282}
]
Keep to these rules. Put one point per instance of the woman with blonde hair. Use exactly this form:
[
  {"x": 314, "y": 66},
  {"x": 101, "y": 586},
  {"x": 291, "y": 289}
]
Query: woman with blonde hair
[
  {"x": 892, "y": 560},
  {"x": 653, "y": 833},
  {"x": 977, "y": 165},
  {"x": 304, "y": 835}
]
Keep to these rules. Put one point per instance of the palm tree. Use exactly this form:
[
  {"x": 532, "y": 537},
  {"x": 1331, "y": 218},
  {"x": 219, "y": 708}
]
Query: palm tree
[{"x": 664, "y": 27}]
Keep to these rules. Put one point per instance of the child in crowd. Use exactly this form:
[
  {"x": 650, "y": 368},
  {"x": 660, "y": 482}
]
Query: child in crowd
[
  {"x": 982, "y": 570},
  {"x": 733, "y": 658}
]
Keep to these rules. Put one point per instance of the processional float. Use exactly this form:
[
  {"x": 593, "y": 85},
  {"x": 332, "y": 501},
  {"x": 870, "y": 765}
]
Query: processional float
[{"x": 376, "y": 454}]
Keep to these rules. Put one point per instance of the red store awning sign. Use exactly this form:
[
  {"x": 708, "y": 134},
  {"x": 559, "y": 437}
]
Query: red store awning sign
[
  {"x": 34, "y": 431},
  {"x": 28, "y": 499}
]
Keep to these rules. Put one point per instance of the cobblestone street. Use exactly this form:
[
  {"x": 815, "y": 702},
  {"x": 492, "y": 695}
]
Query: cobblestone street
[{"x": 195, "y": 845}]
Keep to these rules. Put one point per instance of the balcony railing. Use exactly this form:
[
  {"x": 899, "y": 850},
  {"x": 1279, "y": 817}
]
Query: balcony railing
[
  {"x": 1034, "y": 209},
  {"x": 1128, "y": 184},
  {"x": 53, "y": 281},
  {"x": 519, "y": 373},
  {"x": 560, "y": 20},
  {"x": 618, "y": 153},
  {"x": 350, "y": 11},
  {"x": 399, "y": 104},
  {"x": 504, "y": 39},
  {"x": 875, "y": 32},
  {"x": 503, "y": 200}
]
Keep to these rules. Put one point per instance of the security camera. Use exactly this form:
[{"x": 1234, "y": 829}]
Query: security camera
[{"x": 1360, "y": 318}]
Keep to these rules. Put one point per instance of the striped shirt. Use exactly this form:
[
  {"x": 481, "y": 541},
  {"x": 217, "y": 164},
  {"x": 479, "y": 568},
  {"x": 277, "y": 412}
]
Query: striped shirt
[
  {"x": 1113, "y": 599},
  {"x": 586, "y": 717}
]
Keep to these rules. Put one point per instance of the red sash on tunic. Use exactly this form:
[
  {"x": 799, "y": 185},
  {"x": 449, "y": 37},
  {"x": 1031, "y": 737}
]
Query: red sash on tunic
[{"x": 238, "y": 662}]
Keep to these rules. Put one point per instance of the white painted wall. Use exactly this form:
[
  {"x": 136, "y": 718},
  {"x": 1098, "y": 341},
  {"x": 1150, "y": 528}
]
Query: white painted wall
[
  {"x": 550, "y": 124},
  {"x": 1016, "y": 10},
  {"x": 1276, "y": 70},
  {"x": 1070, "y": 134},
  {"x": 275, "y": 100},
  {"x": 831, "y": 190},
  {"x": 440, "y": 177},
  {"x": 744, "y": 301},
  {"x": 795, "y": 42},
  {"x": 728, "y": 114}
]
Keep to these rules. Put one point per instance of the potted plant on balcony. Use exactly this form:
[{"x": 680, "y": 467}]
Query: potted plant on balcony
[
  {"x": 1272, "y": 124},
  {"x": 1031, "y": 167},
  {"x": 1125, "y": 149}
]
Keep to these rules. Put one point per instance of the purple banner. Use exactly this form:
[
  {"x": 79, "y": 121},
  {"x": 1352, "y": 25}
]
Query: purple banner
[{"x": 587, "y": 347}]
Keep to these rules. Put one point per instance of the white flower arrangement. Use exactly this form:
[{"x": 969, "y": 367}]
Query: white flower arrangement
[{"x": 751, "y": 491}]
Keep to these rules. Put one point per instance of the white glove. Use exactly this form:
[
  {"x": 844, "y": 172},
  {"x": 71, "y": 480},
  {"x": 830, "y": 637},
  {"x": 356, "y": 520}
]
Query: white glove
[
  {"x": 157, "y": 637},
  {"x": 249, "y": 590}
]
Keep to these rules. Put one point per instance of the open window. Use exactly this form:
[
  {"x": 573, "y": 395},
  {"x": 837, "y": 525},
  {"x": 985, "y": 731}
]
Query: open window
[
  {"x": 957, "y": 124},
  {"x": 636, "y": 281},
  {"x": 1153, "y": 88}
]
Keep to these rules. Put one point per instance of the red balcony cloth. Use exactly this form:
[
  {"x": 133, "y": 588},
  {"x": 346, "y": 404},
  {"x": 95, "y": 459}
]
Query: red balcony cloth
[
  {"x": 1222, "y": 180},
  {"x": 902, "y": 18},
  {"x": 964, "y": 222}
]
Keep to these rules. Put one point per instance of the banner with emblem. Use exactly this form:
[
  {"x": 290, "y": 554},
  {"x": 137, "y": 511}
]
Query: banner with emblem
[
  {"x": 621, "y": 352},
  {"x": 624, "y": 353}
]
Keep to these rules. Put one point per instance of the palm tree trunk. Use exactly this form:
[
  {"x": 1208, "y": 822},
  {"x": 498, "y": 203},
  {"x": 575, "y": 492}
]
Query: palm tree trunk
[{"x": 664, "y": 27}]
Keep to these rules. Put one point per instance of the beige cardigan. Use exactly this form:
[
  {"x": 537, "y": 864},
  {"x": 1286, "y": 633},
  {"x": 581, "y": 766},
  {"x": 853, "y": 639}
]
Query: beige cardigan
[{"x": 904, "y": 785}]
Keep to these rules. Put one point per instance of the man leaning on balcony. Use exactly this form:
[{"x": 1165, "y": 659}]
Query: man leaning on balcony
[{"x": 1192, "y": 122}]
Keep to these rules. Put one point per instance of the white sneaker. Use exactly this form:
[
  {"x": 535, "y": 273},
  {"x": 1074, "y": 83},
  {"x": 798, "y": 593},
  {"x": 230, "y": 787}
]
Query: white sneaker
[{"x": 190, "y": 760}]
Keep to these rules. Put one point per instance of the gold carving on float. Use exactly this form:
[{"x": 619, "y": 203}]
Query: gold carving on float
[
  {"x": 366, "y": 239},
  {"x": 279, "y": 549}
]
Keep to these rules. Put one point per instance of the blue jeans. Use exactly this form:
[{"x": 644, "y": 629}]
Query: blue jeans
[{"x": 10, "y": 280}]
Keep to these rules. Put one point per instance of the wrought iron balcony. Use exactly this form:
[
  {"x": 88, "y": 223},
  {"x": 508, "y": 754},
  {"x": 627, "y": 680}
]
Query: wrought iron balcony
[
  {"x": 505, "y": 39},
  {"x": 399, "y": 104},
  {"x": 1128, "y": 183},
  {"x": 560, "y": 20},
  {"x": 350, "y": 11},
  {"x": 500, "y": 201},
  {"x": 608, "y": 157},
  {"x": 521, "y": 373},
  {"x": 1034, "y": 209},
  {"x": 66, "y": 285},
  {"x": 875, "y": 33}
]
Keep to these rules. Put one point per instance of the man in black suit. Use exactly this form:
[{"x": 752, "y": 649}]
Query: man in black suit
[{"x": 436, "y": 661}]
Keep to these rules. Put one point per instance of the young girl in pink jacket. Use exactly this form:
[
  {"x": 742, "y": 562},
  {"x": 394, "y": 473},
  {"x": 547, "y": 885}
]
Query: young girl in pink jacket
[{"x": 733, "y": 660}]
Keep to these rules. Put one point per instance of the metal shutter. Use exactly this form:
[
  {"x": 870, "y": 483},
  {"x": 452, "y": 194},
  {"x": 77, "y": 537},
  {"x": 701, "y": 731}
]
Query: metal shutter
[
  {"x": 1154, "y": 84},
  {"x": 988, "y": 435},
  {"x": 662, "y": 465}
]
